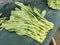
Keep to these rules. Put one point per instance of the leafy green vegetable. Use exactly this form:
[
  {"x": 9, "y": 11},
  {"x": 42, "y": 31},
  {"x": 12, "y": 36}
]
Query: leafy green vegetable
[
  {"x": 54, "y": 4},
  {"x": 1, "y": 21},
  {"x": 28, "y": 21}
]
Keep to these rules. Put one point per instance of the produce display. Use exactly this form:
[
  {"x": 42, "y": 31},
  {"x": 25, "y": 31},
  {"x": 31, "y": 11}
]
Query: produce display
[{"x": 28, "y": 21}]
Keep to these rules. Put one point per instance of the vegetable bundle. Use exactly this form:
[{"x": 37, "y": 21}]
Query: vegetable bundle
[
  {"x": 54, "y": 4},
  {"x": 28, "y": 21}
]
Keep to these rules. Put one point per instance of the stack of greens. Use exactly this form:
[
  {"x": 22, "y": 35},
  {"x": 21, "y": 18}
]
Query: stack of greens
[
  {"x": 54, "y": 4},
  {"x": 2, "y": 20},
  {"x": 28, "y": 21}
]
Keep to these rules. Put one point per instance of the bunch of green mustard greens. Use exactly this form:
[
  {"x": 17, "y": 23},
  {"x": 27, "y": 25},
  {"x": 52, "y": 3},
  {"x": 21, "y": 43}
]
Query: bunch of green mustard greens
[
  {"x": 28, "y": 21},
  {"x": 54, "y": 4}
]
